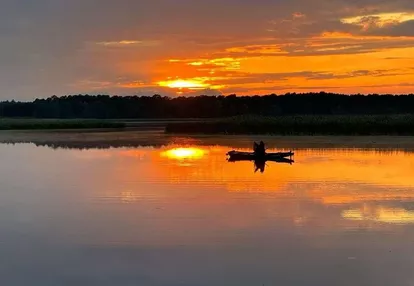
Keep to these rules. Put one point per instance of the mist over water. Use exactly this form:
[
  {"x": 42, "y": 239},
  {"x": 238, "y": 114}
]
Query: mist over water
[{"x": 175, "y": 212}]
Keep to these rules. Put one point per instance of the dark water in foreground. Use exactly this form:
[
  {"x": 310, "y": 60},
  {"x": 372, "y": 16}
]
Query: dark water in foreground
[{"x": 181, "y": 215}]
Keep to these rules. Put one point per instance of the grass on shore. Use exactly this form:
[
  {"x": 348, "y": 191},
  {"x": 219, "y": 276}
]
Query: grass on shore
[
  {"x": 302, "y": 125},
  {"x": 39, "y": 124}
]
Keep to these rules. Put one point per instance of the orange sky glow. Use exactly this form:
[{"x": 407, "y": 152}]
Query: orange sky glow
[{"x": 334, "y": 61}]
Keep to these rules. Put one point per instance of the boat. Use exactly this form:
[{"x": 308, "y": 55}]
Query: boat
[
  {"x": 251, "y": 156},
  {"x": 258, "y": 161},
  {"x": 260, "y": 156}
]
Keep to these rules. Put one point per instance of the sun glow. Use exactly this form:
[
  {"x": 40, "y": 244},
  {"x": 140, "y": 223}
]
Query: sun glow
[
  {"x": 184, "y": 153},
  {"x": 180, "y": 84}
]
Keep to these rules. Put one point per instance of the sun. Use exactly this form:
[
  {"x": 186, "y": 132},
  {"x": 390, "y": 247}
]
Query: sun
[
  {"x": 184, "y": 153},
  {"x": 184, "y": 84}
]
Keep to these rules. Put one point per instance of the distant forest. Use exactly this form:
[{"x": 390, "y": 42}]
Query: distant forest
[{"x": 103, "y": 106}]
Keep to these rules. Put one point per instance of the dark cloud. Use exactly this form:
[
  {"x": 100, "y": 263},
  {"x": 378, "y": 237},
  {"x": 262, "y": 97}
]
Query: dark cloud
[
  {"x": 404, "y": 29},
  {"x": 324, "y": 47},
  {"x": 261, "y": 78}
]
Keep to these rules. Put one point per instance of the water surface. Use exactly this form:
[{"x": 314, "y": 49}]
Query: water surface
[{"x": 177, "y": 213}]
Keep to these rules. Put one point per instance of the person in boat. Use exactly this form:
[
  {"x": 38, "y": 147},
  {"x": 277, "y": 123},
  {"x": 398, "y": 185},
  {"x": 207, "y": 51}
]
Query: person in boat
[
  {"x": 262, "y": 148},
  {"x": 259, "y": 149},
  {"x": 255, "y": 147}
]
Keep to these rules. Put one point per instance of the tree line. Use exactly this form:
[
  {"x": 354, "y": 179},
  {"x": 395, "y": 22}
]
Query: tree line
[{"x": 156, "y": 106}]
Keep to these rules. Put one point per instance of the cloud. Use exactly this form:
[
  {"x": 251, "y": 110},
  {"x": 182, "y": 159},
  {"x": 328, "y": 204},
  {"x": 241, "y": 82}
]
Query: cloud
[
  {"x": 379, "y": 20},
  {"x": 128, "y": 43},
  {"x": 260, "y": 78},
  {"x": 398, "y": 24},
  {"x": 405, "y": 29}
]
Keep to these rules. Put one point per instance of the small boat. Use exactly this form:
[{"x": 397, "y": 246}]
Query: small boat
[
  {"x": 237, "y": 155},
  {"x": 260, "y": 156},
  {"x": 258, "y": 161}
]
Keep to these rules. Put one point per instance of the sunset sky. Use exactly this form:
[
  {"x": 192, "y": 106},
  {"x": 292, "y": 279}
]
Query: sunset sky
[{"x": 193, "y": 47}]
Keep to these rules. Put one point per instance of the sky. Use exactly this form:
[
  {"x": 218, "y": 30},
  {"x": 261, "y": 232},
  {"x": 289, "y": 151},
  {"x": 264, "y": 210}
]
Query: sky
[{"x": 193, "y": 47}]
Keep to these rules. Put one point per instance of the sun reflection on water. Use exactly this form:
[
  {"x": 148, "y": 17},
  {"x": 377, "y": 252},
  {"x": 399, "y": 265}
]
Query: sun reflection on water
[{"x": 184, "y": 153}]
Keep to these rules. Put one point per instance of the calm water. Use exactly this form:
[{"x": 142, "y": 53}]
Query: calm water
[{"x": 180, "y": 214}]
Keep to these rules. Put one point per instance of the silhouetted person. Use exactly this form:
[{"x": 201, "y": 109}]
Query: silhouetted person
[
  {"x": 262, "y": 145},
  {"x": 255, "y": 147},
  {"x": 260, "y": 150}
]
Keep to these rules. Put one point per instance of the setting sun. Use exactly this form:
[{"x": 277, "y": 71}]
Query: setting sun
[{"x": 179, "y": 83}]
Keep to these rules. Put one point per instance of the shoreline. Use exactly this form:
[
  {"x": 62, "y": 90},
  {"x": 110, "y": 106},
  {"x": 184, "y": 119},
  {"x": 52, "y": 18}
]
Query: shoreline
[
  {"x": 130, "y": 138},
  {"x": 13, "y": 124}
]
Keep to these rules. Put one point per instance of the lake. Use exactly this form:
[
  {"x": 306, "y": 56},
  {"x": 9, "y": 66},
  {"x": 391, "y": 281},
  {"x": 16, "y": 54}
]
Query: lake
[{"x": 150, "y": 209}]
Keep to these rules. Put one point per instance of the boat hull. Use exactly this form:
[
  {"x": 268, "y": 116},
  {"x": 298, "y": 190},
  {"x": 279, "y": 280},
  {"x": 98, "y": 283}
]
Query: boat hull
[{"x": 236, "y": 155}]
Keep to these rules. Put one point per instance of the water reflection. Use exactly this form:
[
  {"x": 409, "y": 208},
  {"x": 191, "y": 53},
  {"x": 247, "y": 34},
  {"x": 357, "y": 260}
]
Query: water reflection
[
  {"x": 260, "y": 165},
  {"x": 184, "y": 153},
  {"x": 136, "y": 139},
  {"x": 178, "y": 214},
  {"x": 380, "y": 214}
]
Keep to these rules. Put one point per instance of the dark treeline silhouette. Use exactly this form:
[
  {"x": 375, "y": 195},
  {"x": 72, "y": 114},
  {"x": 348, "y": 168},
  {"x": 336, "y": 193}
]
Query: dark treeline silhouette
[
  {"x": 60, "y": 141},
  {"x": 85, "y": 145},
  {"x": 103, "y": 106}
]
